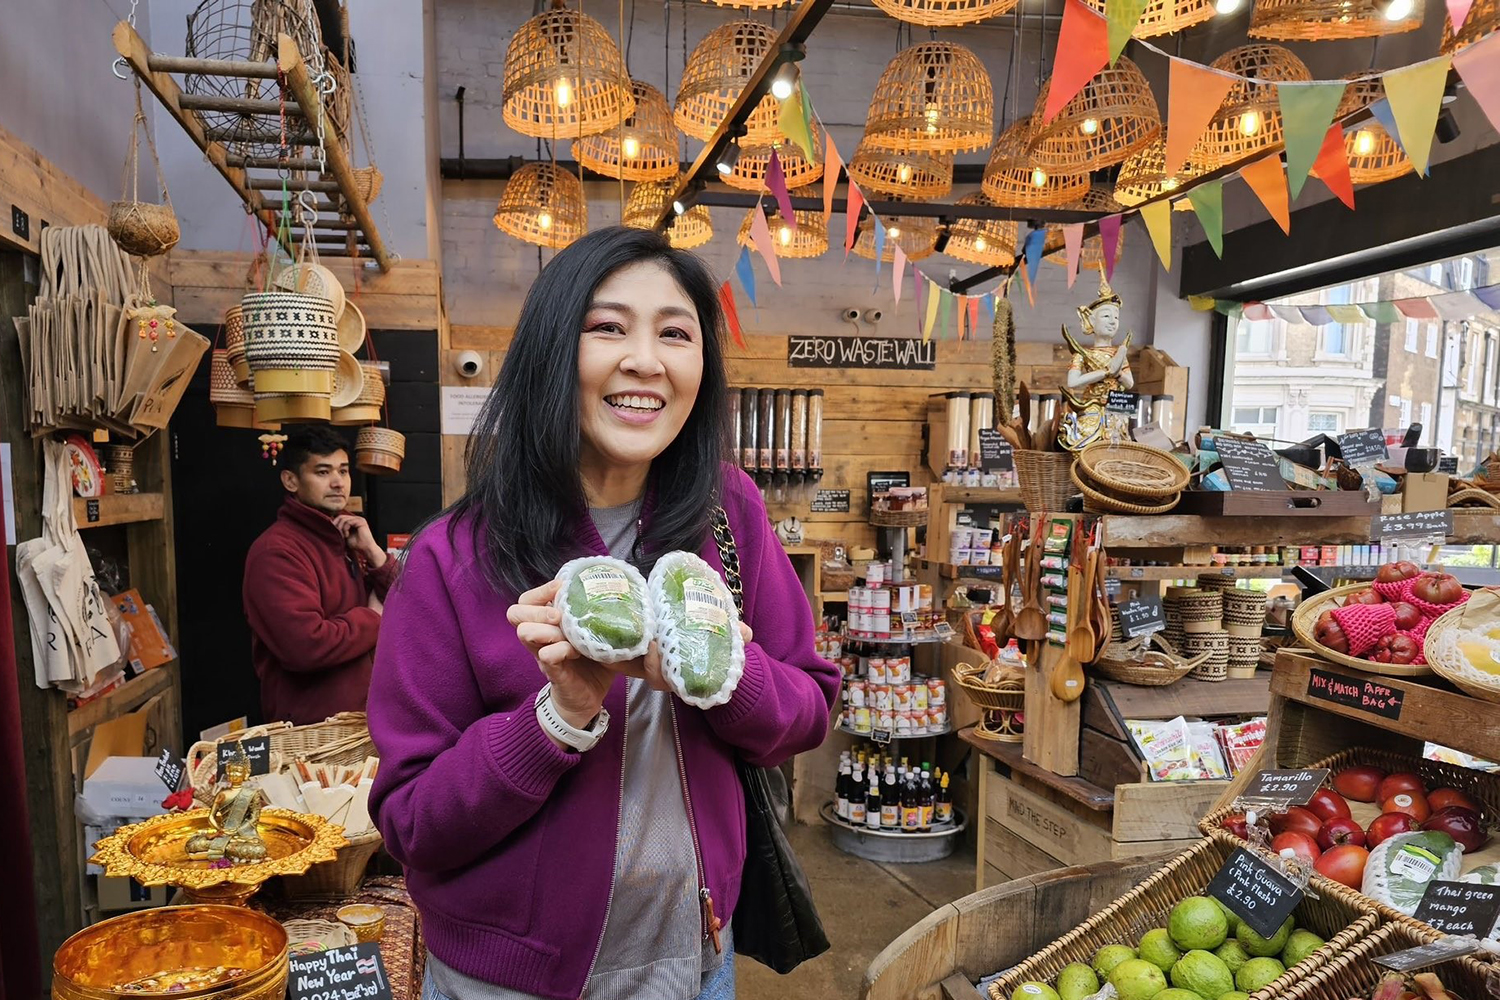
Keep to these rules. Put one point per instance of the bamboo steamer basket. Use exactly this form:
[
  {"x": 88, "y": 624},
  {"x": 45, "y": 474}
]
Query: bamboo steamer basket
[
  {"x": 289, "y": 331},
  {"x": 313, "y": 279},
  {"x": 234, "y": 343},
  {"x": 366, "y": 406},
  {"x": 352, "y": 328},
  {"x": 1305, "y": 618},
  {"x": 291, "y": 408},
  {"x": 348, "y": 381},
  {"x": 379, "y": 450}
]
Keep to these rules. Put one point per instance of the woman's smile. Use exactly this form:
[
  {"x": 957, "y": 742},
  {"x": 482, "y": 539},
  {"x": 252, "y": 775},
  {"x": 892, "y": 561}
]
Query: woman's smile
[{"x": 636, "y": 407}]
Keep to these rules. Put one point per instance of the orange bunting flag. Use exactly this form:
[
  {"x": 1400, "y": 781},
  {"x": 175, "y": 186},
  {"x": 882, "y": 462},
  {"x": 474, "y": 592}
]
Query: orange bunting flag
[
  {"x": 1268, "y": 181},
  {"x": 832, "y": 165},
  {"x": 1193, "y": 95},
  {"x": 1332, "y": 166},
  {"x": 731, "y": 314},
  {"x": 851, "y": 211},
  {"x": 760, "y": 235},
  {"x": 1073, "y": 241},
  {"x": 1415, "y": 94},
  {"x": 1157, "y": 215},
  {"x": 974, "y": 316},
  {"x": 1082, "y": 51}
]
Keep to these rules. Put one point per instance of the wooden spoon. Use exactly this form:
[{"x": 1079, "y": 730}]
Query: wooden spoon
[
  {"x": 1005, "y": 618},
  {"x": 1103, "y": 626},
  {"x": 1067, "y": 676},
  {"x": 1031, "y": 623},
  {"x": 1081, "y": 594},
  {"x": 1068, "y": 680}
]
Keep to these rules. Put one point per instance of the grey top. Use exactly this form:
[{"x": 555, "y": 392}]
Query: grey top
[{"x": 653, "y": 937}]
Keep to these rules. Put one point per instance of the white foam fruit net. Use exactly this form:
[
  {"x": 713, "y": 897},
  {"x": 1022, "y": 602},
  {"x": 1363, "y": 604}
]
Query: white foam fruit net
[
  {"x": 697, "y": 630},
  {"x": 606, "y": 609}
]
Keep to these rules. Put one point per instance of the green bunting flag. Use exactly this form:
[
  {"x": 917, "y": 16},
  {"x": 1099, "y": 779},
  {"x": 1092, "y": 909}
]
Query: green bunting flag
[
  {"x": 1123, "y": 16},
  {"x": 1208, "y": 203},
  {"x": 1307, "y": 109}
]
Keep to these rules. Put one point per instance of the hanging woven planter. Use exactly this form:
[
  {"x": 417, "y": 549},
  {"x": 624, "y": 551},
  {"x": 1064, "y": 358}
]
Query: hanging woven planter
[
  {"x": 1483, "y": 19},
  {"x": 716, "y": 73},
  {"x": 915, "y": 176},
  {"x": 1316, "y": 20},
  {"x": 944, "y": 13},
  {"x": 809, "y": 239},
  {"x": 141, "y": 228},
  {"x": 916, "y": 235},
  {"x": 1144, "y": 175},
  {"x": 934, "y": 96},
  {"x": 1249, "y": 120},
  {"x": 1114, "y": 115},
  {"x": 989, "y": 242},
  {"x": 543, "y": 204},
  {"x": 379, "y": 451},
  {"x": 647, "y": 201},
  {"x": 641, "y": 148},
  {"x": 1166, "y": 17},
  {"x": 1010, "y": 178},
  {"x": 564, "y": 77},
  {"x": 749, "y": 173}
]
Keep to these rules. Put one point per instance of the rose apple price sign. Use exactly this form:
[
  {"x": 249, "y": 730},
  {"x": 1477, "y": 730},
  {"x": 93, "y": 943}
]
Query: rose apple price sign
[
  {"x": 1353, "y": 692},
  {"x": 355, "y": 973},
  {"x": 1293, "y": 787},
  {"x": 1256, "y": 893},
  {"x": 1460, "y": 907}
]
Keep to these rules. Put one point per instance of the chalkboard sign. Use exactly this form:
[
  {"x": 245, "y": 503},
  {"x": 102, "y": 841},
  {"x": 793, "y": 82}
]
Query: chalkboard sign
[
  {"x": 995, "y": 453},
  {"x": 891, "y": 353},
  {"x": 1418, "y": 524},
  {"x": 1120, "y": 401},
  {"x": 1434, "y": 953},
  {"x": 354, "y": 973},
  {"x": 881, "y": 736},
  {"x": 1250, "y": 465},
  {"x": 1365, "y": 695},
  {"x": 982, "y": 572},
  {"x": 170, "y": 768},
  {"x": 1460, "y": 907},
  {"x": 1296, "y": 787},
  {"x": 943, "y": 630},
  {"x": 830, "y": 502},
  {"x": 1364, "y": 447},
  {"x": 91, "y": 511},
  {"x": 1258, "y": 894},
  {"x": 257, "y": 751},
  {"x": 1140, "y": 617},
  {"x": 1448, "y": 464}
]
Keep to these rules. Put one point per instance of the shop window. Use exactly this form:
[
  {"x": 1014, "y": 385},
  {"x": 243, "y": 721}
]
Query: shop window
[
  {"x": 1465, "y": 278},
  {"x": 1327, "y": 423},
  {"x": 1411, "y": 336},
  {"x": 1432, "y": 340},
  {"x": 1405, "y": 413},
  {"x": 1334, "y": 340},
  {"x": 1425, "y": 415},
  {"x": 1435, "y": 273},
  {"x": 1257, "y": 420},
  {"x": 1253, "y": 338}
]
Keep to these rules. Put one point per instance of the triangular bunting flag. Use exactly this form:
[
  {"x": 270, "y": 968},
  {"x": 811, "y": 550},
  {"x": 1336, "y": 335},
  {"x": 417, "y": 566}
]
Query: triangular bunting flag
[
  {"x": 945, "y": 303},
  {"x": 1316, "y": 315},
  {"x": 1036, "y": 240},
  {"x": 973, "y": 301},
  {"x": 1193, "y": 95},
  {"x": 1157, "y": 216},
  {"x": 1227, "y": 308},
  {"x": 1380, "y": 312},
  {"x": 1489, "y": 295},
  {"x": 1208, "y": 204},
  {"x": 1381, "y": 112},
  {"x": 1307, "y": 109},
  {"x": 1073, "y": 241},
  {"x": 1030, "y": 288},
  {"x": 932, "y": 310},
  {"x": 760, "y": 235},
  {"x": 1456, "y": 306},
  {"x": 795, "y": 121},
  {"x": 1415, "y": 308},
  {"x": 1256, "y": 312},
  {"x": 745, "y": 271},
  {"x": 1109, "y": 243},
  {"x": 1266, "y": 178},
  {"x": 731, "y": 314},
  {"x": 1200, "y": 303},
  {"x": 989, "y": 310},
  {"x": 776, "y": 184},
  {"x": 832, "y": 167},
  {"x": 918, "y": 281},
  {"x": 1479, "y": 65},
  {"x": 899, "y": 257},
  {"x": 1458, "y": 13},
  {"x": 1082, "y": 51},
  {"x": 1123, "y": 16},
  {"x": 1288, "y": 314},
  {"x": 851, "y": 212},
  {"x": 879, "y": 248},
  {"x": 1416, "y": 96},
  {"x": 1332, "y": 166},
  {"x": 1346, "y": 313}
]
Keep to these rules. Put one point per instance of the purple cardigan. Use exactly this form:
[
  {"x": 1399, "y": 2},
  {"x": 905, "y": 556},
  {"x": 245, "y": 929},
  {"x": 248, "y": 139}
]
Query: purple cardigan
[{"x": 509, "y": 842}]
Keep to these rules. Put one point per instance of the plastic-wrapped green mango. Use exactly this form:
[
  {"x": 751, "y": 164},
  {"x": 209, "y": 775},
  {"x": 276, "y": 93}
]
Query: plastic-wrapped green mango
[
  {"x": 697, "y": 630},
  {"x": 606, "y": 610}
]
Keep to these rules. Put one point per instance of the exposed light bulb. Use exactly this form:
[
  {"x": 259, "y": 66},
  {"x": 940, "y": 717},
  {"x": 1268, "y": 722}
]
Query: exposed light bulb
[
  {"x": 544, "y": 220},
  {"x": 894, "y": 232},
  {"x": 1226, "y": 6},
  {"x": 931, "y": 114},
  {"x": 785, "y": 81},
  {"x": 1089, "y": 126},
  {"x": 564, "y": 93},
  {"x": 980, "y": 244},
  {"x": 631, "y": 147},
  {"x": 784, "y": 234},
  {"x": 904, "y": 173},
  {"x": 1364, "y": 142},
  {"x": 1398, "y": 10},
  {"x": 1169, "y": 184},
  {"x": 678, "y": 207},
  {"x": 1250, "y": 122},
  {"x": 1038, "y": 177}
]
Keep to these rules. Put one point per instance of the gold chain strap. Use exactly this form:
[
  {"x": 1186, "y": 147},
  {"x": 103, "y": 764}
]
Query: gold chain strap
[{"x": 730, "y": 557}]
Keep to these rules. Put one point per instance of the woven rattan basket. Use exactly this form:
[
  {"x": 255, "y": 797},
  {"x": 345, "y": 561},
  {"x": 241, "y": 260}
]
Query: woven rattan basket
[
  {"x": 1229, "y": 138},
  {"x": 1134, "y": 470},
  {"x": 234, "y": 344},
  {"x": 991, "y": 697},
  {"x": 933, "y": 96},
  {"x": 1216, "y": 646},
  {"x": 749, "y": 173},
  {"x": 1119, "y": 103},
  {"x": 1132, "y": 661},
  {"x": 1095, "y": 501},
  {"x": 916, "y": 235},
  {"x": 564, "y": 47},
  {"x": 1305, "y": 618},
  {"x": 544, "y": 205},
  {"x": 898, "y": 518},
  {"x": 339, "y": 877},
  {"x": 339, "y": 739},
  {"x": 1352, "y": 973},
  {"x": 647, "y": 136},
  {"x": 1144, "y": 175},
  {"x": 367, "y": 181},
  {"x": 944, "y": 13},
  {"x": 1482, "y": 611},
  {"x": 1338, "y": 921},
  {"x": 714, "y": 77},
  {"x": 1010, "y": 178},
  {"x": 1317, "y": 20},
  {"x": 1044, "y": 479},
  {"x": 988, "y": 242},
  {"x": 1166, "y": 17}
]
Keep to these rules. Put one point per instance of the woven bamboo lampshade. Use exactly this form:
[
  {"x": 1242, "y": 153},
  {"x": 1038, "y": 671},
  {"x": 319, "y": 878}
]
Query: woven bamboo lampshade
[
  {"x": 749, "y": 173},
  {"x": 809, "y": 239},
  {"x": 754, "y": 4},
  {"x": 1010, "y": 178},
  {"x": 916, "y": 235},
  {"x": 1315, "y": 20},
  {"x": 1144, "y": 176},
  {"x": 1165, "y": 17},
  {"x": 543, "y": 204},
  {"x": 716, "y": 73},
  {"x": 1373, "y": 155},
  {"x": 1249, "y": 120},
  {"x": 934, "y": 96},
  {"x": 915, "y": 176},
  {"x": 564, "y": 77},
  {"x": 1106, "y": 121},
  {"x": 644, "y": 206},
  {"x": 642, "y": 148},
  {"x": 990, "y": 242},
  {"x": 944, "y": 13},
  {"x": 1484, "y": 18}
]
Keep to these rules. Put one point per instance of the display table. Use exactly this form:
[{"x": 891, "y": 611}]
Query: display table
[{"x": 401, "y": 946}]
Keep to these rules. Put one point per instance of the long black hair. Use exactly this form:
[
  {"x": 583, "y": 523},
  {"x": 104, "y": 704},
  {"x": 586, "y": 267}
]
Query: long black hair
[{"x": 523, "y": 490}]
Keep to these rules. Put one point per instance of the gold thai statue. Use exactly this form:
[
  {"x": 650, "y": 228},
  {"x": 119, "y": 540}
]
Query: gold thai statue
[
  {"x": 1096, "y": 370},
  {"x": 235, "y": 817}
]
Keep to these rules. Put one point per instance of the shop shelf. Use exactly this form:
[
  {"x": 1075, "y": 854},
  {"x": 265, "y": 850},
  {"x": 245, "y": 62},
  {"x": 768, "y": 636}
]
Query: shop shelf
[
  {"x": 118, "y": 508},
  {"x": 894, "y": 736},
  {"x": 919, "y": 639},
  {"x": 892, "y": 845}
]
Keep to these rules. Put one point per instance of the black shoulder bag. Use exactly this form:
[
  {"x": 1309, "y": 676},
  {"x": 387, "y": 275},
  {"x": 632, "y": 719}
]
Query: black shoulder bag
[{"x": 775, "y": 921}]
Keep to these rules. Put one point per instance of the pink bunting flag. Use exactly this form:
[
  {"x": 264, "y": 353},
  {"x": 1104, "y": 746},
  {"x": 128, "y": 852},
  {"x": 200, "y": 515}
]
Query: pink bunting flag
[
  {"x": 1416, "y": 309},
  {"x": 833, "y": 164},
  {"x": 899, "y": 268},
  {"x": 1109, "y": 242},
  {"x": 1479, "y": 66},
  {"x": 1073, "y": 241},
  {"x": 1256, "y": 312},
  {"x": 851, "y": 214},
  {"x": 1458, "y": 12},
  {"x": 1082, "y": 51},
  {"x": 760, "y": 235},
  {"x": 776, "y": 184}
]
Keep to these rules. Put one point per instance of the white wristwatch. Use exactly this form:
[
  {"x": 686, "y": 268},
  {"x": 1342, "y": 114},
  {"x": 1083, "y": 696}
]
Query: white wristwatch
[{"x": 553, "y": 724}]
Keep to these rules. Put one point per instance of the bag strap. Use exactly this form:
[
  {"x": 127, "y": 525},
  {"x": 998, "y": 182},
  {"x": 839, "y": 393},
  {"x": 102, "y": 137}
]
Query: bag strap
[{"x": 729, "y": 555}]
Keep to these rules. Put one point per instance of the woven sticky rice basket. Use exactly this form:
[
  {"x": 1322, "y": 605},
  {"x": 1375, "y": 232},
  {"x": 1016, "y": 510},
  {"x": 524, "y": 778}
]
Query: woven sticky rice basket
[
  {"x": 313, "y": 279},
  {"x": 1098, "y": 502},
  {"x": 1305, "y": 618},
  {"x": 1136, "y": 472},
  {"x": 1447, "y": 658},
  {"x": 367, "y": 181},
  {"x": 379, "y": 450},
  {"x": 366, "y": 406},
  {"x": 1338, "y": 921},
  {"x": 339, "y": 739},
  {"x": 142, "y": 229},
  {"x": 341, "y": 876},
  {"x": 1043, "y": 479},
  {"x": 1131, "y": 661},
  {"x": 233, "y": 406},
  {"x": 234, "y": 343}
]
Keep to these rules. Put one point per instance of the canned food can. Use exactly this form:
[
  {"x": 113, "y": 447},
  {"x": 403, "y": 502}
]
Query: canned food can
[
  {"x": 874, "y": 574},
  {"x": 902, "y": 670},
  {"x": 937, "y": 717},
  {"x": 882, "y": 698},
  {"x": 919, "y": 697},
  {"x": 883, "y": 601},
  {"x": 919, "y": 725},
  {"x": 904, "y": 723},
  {"x": 901, "y": 695},
  {"x": 937, "y": 692},
  {"x": 861, "y": 720},
  {"x": 884, "y": 720},
  {"x": 877, "y": 671},
  {"x": 858, "y": 694}
]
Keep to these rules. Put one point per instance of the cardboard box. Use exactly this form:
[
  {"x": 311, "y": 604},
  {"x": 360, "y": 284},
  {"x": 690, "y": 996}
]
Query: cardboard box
[
  {"x": 1424, "y": 491},
  {"x": 118, "y": 895},
  {"x": 124, "y": 787}
]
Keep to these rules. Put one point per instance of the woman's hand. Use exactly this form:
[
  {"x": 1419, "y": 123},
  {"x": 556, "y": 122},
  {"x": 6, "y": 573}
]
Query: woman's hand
[{"x": 578, "y": 684}]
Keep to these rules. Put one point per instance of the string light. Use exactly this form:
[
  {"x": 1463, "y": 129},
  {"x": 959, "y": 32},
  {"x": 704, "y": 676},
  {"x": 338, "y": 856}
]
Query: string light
[
  {"x": 1039, "y": 177},
  {"x": 1364, "y": 142},
  {"x": 931, "y": 112},
  {"x": 1169, "y": 184},
  {"x": 1250, "y": 122},
  {"x": 1089, "y": 126},
  {"x": 980, "y": 244},
  {"x": 904, "y": 173},
  {"x": 564, "y": 93},
  {"x": 1226, "y": 6}
]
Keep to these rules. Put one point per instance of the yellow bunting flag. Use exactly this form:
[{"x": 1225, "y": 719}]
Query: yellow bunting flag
[
  {"x": 1157, "y": 215},
  {"x": 1193, "y": 95},
  {"x": 1268, "y": 181},
  {"x": 932, "y": 307},
  {"x": 1415, "y": 94}
]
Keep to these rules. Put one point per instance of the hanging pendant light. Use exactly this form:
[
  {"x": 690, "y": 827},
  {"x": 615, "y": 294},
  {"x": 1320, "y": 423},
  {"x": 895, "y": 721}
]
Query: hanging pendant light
[
  {"x": 989, "y": 242},
  {"x": 915, "y": 176},
  {"x": 809, "y": 239},
  {"x": 916, "y": 235},
  {"x": 1373, "y": 155},
  {"x": 648, "y": 199},
  {"x": 543, "y": 204},
  {"x": 1166, "y": 17},
  {"x": 945, "y": 13},
  {"x": 934, "y": 96},
  {"x": 1114, "y": 115},
  {"x": 749, "y": 173},
  {"x": 1249, "y": 120},
  {"x": 716, "y": 74},
  {"x": 564, "y": 77},
  {"x": 642, "y": 148},
  {"x": 1010, "y": 178},
  {"x": 1144, "y": 175},
  {"x": 1316, "y": 20}
]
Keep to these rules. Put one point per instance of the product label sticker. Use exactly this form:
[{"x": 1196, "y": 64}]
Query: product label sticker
[
  {"x": 1414, "y": 863},
  {"x": 1460, "y": 907},
  {"x": 1258, "y": 894},
  {"x": 604, "y": 583},
  {"x": 703, "y": 607}
]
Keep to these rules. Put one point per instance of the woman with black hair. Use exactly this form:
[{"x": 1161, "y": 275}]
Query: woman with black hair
[{"x": 570, "y": 828}]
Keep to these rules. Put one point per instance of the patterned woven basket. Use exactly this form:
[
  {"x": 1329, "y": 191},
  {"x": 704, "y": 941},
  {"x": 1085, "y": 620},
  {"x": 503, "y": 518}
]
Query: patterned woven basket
[
  {"x": 339, "y": 739},
  {"x": 234, "y": 343},
  {"x": 233, "y": 406},
  {"x": 290, "y": 331},
  {"x": 366, "y": 406},
  {"x": 379, "y": 450},
  {"x": 1216, "y": 645},
  {"x": 1044, "y": 480},
  {"x": 308, "y": 278},
  {"x": 367, "y": 182}
]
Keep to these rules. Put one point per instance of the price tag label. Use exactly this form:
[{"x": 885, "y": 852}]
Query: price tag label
[
  {"x": 1448, "y": 464},
  {"x": 1120, "y": 401},
  {"x": 91, "y": 511},
  {"x": 830, "y": 502},
  {"x": 943, "y": 630},
  {"x": 355, "y": 973},
  {"x": 1419, "y": 524},
  {"x": 1460, "y": 907},
  {"x": 1364, "y": 447},
  {"x": 1137, "y": 618},
  {"x": 1434, "y": 953},
  {"x": 880, "y": 736},
  {"x": 1294, "y": 787},
  {"x": 909, "y": 619},
  {"x": 1366, "y": 695},
  {"x": 995, "y": 453},
  {"x": 1258, "y": 894},
  {"x": 257, "y": 751},
  {"x": 1112, "y": 587},
  {"x": 170, "y": 768},
  {"x": 1249, "y": 465}
]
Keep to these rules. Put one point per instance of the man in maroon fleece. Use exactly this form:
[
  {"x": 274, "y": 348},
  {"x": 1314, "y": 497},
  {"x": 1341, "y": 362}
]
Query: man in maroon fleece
[{"x": 314, "y": 586}]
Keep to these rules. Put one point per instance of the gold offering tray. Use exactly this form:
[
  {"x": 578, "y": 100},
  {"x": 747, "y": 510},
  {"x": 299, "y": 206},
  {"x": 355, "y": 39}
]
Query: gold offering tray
[{"x": 155, "y": 853}]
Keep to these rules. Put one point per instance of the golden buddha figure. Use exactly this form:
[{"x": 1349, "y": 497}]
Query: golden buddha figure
[
  {"x": 235, "y": 817},
  {"x": 1096, "y": 370}
]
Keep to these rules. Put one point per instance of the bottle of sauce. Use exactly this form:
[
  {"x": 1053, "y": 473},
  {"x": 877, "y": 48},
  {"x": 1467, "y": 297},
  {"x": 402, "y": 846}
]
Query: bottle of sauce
[
  {"x": 890, "y": 805},
  {"x": 841, "y": 788},
  {"x": 943, "y": 811},
  {"x": 926, "y": 800},
  {"x": 911, "y": 807},
  {"x": 857, "y": 793},
  {"x": 872, "y": 802}
]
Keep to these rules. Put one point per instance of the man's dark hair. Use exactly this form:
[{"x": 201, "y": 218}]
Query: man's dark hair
[{"x": 312, "y": 439}]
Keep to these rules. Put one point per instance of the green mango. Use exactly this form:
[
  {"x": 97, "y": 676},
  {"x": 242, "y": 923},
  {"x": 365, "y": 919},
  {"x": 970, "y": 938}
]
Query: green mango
[{"x": 608, "y": 605}]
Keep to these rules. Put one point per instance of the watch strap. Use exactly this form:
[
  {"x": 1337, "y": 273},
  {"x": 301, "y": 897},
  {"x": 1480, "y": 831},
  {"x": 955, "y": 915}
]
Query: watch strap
[{"x": 552, "y": 723}]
